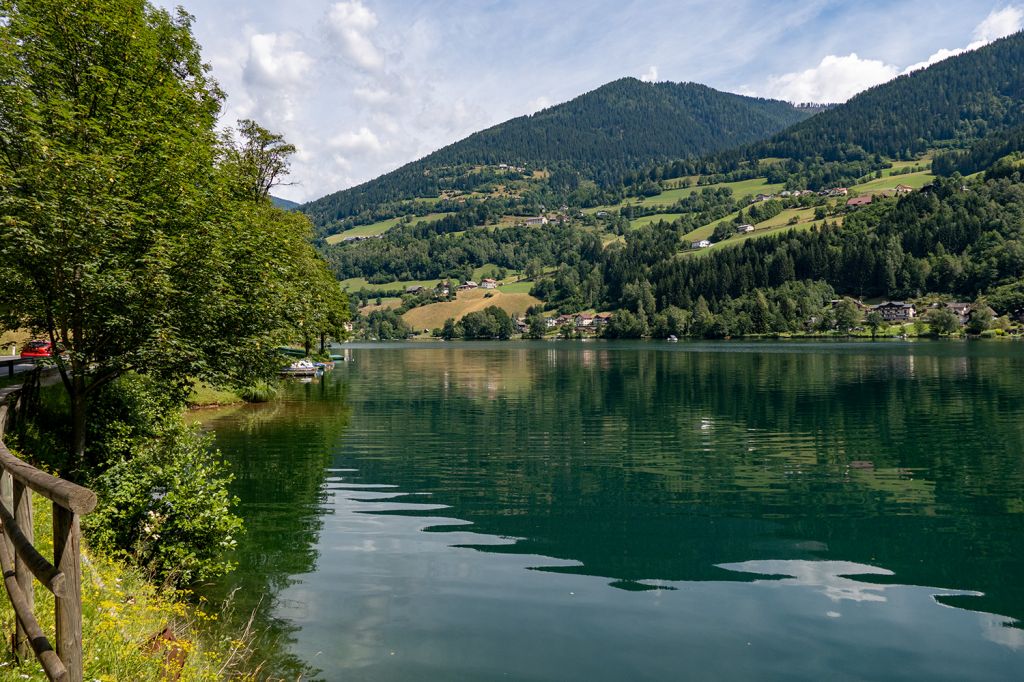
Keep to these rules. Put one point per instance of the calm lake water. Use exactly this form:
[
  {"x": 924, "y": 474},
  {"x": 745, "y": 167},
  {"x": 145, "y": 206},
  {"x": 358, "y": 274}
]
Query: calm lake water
[{"x": 644, "y": 511}]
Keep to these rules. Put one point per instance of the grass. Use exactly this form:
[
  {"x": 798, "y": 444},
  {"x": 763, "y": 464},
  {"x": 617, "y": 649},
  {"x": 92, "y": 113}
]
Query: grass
[
  {"x": 378, "y": 228},
  {"x": 357, "y": 283},
  {"x": 18, "y": 337},
  {"x": 740, "y": 238},
  {"x": 204, "y": 395},
  {"x": 385, "y": 304},
  {"x": 915, "y": 180},
  {"x": 121, "y": 613},
  {"x": 491, "y": 270},
  {"x": 434, "y": 315},
  {"x": 657, "y": 217},
  {"x": 740, "y": 189},
  {"x": 520, "y": 287}
]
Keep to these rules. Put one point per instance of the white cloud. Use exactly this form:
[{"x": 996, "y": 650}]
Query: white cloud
[
  {"x": 373, "y": 95},
  {"x": 363, "y": 140},
  {"x": 651, "y": 76},
  {"x": 351, "y": 24},
  {"x": 834, "y": 79},
  {"x": 274, "y": 61},
  {"x": 999, "y": 24},
  {"x": 838, "y": 78}
]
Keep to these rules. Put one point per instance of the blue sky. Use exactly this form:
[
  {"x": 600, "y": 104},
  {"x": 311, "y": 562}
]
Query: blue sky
[{"x": 363, "y": 86}]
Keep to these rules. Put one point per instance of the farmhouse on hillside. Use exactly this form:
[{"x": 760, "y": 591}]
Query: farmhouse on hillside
[
  {"x": 488, "y": 283},
  {"x": 896, "y": 311},
  {"x": 857, "y": 202}
]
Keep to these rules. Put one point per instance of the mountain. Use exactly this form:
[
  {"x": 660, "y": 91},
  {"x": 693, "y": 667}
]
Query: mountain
[
  {"x": 951, "y": 103},
  {"x": 734, "y": 239},
  {"x": 284, "y": 203},
  {"x": 600, "y": 135}
]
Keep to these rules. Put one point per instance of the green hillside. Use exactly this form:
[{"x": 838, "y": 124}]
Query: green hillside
[{"x": 599, "y": 136}]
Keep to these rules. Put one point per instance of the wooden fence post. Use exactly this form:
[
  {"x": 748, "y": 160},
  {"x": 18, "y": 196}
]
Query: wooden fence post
[
  {"x": 66, "y": 533},
  {"x": 23, "y": 519}
]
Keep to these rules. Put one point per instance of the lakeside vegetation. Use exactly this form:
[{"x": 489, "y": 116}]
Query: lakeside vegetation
[{"x": 141, "y": 241}]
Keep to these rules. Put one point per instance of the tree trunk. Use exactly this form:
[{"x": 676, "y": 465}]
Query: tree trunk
[
  {"x": 78, "y": 414},
  {"x": 308, "y": 343},
  {"x": 323, "y": 343}
]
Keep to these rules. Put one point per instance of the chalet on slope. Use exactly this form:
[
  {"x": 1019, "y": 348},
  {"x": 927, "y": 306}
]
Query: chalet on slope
[
  {"x": 488, "y": 283},
  {"x": 539, "y": 220},
  {"x": 744, "y": 229},
  {"x": 904, "y": 189},
  {"x": 961, "y": 310},
  {"x": 858, "y": 202},
  {"x": 584, "y": 320},
  {"x": 702, "y": 244},
  {"x": 896, "y": 311},
  {"x": 414, "y": 290}
]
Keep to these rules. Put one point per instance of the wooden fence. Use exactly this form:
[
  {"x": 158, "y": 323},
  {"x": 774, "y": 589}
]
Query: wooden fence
[{"x": 20, "y": 560}]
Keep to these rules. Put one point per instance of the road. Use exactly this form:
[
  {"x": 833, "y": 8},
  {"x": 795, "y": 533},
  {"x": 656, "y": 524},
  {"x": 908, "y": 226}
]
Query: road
[{"x": 13, "y": 364}]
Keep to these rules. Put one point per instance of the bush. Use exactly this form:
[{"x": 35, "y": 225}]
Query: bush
[
  {"x": 162, "y": 488},
  {"x": 166, "y": 506},
  {"x": 259, "y": 392}
]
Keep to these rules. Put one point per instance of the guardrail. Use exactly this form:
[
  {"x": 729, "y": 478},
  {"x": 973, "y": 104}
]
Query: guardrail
[{"x": 21, "y": 561}]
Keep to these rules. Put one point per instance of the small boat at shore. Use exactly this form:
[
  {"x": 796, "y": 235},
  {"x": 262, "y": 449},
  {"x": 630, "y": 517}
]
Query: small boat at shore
[
  {"x": 302, "y": 368},
  {"x": 672, "y": 338}
]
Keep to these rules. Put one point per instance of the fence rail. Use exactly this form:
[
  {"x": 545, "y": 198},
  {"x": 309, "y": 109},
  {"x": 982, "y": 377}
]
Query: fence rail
[{"x": 21, "y": 562}]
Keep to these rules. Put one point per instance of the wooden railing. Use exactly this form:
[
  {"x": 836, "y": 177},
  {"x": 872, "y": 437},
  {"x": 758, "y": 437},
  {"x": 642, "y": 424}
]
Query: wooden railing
[{"x": 21, "y": 561}]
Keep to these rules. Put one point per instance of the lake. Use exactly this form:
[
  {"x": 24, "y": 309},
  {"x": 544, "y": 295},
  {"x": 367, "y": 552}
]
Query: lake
[{"x": 640, "y": 511}]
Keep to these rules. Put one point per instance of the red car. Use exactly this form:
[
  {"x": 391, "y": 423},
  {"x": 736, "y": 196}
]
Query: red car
[{"x": 37, "y": 349}]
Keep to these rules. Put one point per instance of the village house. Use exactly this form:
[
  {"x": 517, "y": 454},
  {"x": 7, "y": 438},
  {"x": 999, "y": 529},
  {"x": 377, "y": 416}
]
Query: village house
[
  {"x": 584, "y": 320},
  {"x": 550, "y": 322},
  {"x": 838, "y": 192},
  {"x": 565, "y": 319},
  {"x": 904, "y": 189},
  {"x": 488, "y": 283},
  {"x": 896, "y": 311},
  {"x": 702, "y": 244},
  {"x": 414, "y": 290},
  {"x": 743, "y": 229},
  {"x": 857, "y": 202},
  {"x": 539, "y": 220},
  {"x": 601, "y": 319},
  {"x": 467, "y": 285},
  {"x": 961, "y": 310}
]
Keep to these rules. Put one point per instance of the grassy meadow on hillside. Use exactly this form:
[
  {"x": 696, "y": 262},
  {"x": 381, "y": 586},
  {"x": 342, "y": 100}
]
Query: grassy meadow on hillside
[{"x": 434, "y": 315}]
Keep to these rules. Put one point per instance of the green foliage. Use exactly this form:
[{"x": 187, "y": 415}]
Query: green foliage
[
  {"x": 943, "y": 321},
  {"x": 166, "y": 506},
  {"x": 537, "y": 326},
  {"x": 259, "y": 392},
  {"x": 385, "y": 325},
  {"x": 626, "y": 325},
  {"x": 981, "y": 319},
  {"x": 163, "y": 489},
  {"x": 130, "y": 231},
  {"x": 490, "y": 323}
]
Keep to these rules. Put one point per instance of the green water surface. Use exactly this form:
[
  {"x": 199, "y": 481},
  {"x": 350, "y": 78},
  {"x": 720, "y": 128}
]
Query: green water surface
[{"x": 644, "y": 511}]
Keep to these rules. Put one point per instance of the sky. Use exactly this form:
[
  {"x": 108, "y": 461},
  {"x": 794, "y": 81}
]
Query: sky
[{"x": 364, "y": 86}]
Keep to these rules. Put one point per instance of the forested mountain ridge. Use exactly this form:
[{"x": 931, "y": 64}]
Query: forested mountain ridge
[
  {"x": 950, "y": 105},
  {"x": 848, "y": 202},
  {"x": 599, "y": 136}
]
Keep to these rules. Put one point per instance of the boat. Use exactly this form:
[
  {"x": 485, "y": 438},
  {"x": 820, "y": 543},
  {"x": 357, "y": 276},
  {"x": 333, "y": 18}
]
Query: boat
[
  {"x": 302, "y": 368},
  {"x": 672, "y": 338}
]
